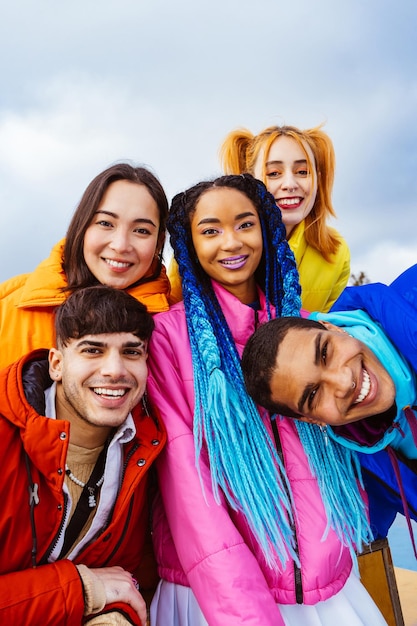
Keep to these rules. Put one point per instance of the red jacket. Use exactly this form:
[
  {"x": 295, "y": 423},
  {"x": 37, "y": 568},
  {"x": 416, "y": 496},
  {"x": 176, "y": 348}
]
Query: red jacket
[{"x": 51, "y": 593}]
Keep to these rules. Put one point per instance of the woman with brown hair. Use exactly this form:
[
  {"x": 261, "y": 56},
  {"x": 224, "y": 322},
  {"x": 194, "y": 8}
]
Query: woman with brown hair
[{"x": 115, "y": 238}]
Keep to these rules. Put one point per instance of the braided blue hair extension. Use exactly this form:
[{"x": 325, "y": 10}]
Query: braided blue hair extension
[
  {"x": 244, "y": 464},
  {"x": 281, "y": 283},
  {"x": 337, "y": 470}
]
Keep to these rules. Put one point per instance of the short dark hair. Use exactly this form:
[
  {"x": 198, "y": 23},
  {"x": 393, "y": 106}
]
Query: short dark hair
[
  {"x": 260, "y": 356},
  {"x": 98, "y": 310}
]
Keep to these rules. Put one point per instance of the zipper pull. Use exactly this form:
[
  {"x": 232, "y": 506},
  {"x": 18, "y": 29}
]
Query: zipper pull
[{"x": 33, "y": 494}]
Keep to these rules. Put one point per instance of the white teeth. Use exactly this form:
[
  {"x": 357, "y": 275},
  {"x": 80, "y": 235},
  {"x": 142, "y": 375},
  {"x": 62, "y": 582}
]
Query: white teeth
[
  {"x": 232, "y": 261},
  {"x": 289, "y": 201},
  {"x": 117, "y": 263},
  {"x": 100, "y": 391},
  {"x": 366, "y": 385}
]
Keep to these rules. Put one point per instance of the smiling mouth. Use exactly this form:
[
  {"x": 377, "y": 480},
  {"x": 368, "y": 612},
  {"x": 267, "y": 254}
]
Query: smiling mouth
[
  {"x": 365, "y": 389},
  {"x": 109, "y": 393},
  {"x": 234, "y": 262},
  {"x": 117, "y": 264},
  {"x": 289, "y": 202}
]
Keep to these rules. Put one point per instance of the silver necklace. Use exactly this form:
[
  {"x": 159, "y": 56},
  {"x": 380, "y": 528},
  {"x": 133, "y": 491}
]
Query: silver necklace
[{"x": 91, "y": 490}]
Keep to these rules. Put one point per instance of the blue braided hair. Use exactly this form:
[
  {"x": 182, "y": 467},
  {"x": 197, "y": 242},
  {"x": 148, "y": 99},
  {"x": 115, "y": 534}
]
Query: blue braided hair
[
  {"x": 244, "y": 463},
  {"x": 338, "y": 473}
]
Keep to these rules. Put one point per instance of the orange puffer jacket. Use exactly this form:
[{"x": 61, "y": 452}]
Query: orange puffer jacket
[{"x": 31, "y": 444}]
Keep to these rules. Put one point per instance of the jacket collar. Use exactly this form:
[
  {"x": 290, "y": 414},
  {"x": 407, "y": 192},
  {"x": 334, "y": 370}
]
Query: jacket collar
[
  {"x": 241, "y": 318},
  {"x": 298, "y": 241},
  {"x": 46, "y": 284}
]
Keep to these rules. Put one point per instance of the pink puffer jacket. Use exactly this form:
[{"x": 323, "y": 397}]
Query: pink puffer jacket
[{"x": 215, "y": 553}]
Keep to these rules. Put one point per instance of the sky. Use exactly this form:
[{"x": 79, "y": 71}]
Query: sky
[{"x": 85, "y": 84}]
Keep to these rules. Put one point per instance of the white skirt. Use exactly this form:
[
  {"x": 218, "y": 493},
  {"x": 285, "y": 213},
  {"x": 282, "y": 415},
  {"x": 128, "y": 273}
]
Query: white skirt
[{"x": 175, "y": 605}]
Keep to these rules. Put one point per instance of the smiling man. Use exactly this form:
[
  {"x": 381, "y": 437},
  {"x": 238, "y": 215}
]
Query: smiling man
[
  {"x": 76, "y": 447},
  {"x": 326, "y": 376},
  {"x": 345, "y": 374},
  {"x": 352, "y": 371}
]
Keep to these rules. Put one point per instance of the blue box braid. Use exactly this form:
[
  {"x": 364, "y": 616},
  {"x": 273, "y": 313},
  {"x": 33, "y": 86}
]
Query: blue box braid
[
  {"x": 336, "y": 468},
  {"x": 338, "y": 473}
]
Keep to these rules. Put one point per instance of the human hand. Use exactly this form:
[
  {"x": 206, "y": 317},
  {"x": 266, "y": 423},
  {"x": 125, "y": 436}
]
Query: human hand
[{"x": 119, "y": 586}]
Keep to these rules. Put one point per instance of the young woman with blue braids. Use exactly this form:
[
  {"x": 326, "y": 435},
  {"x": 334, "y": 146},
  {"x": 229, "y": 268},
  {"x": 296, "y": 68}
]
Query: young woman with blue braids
[{"x": 245, "y": 529}]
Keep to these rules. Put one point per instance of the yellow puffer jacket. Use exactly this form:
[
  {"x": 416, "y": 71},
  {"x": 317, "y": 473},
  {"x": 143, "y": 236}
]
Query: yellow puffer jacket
[
  {"x": 321, "y": 281},
  {"x": 28, "y": 301}
]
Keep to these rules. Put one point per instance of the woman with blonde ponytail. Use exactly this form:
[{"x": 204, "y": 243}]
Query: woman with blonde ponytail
[{"x": 297, "y": 167}]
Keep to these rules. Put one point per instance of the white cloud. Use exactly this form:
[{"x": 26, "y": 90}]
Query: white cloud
[
  {"x": 385, "y": 261},
  {"x": 161, "y": 84}
]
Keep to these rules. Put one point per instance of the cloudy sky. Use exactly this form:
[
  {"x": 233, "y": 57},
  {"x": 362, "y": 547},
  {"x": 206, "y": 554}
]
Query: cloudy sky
[{"x": 85, "y": 84}]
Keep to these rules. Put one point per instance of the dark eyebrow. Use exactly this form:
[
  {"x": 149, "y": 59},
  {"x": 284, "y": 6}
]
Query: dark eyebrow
[
  {"x": 102, "y": 344},
  {"x": 209, "y": 220},
  {"x": 309, "y": 388},
  {"x": 317, "y": 354},
  {"x": 300, "y": 406},
  {"x": 215, "y": 220},
  {"x": 140, "y": 220},
  {"x": 89, "y": 342},
  {"x": 134, "y": 344}
]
